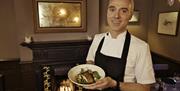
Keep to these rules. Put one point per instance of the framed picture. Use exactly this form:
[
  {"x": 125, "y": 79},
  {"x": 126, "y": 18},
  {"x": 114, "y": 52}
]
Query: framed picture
[
  {"x": 168, "y": 23},
  {"x": 135, "y": 18},
  {"x": 59, "y": 16}
]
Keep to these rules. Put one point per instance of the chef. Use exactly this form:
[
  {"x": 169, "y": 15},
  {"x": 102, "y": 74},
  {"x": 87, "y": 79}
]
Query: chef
[{"x": 125, "y": 58}]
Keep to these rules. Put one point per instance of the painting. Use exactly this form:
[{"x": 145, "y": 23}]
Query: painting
[
  {"x": 135, "y": 18},
  {"x": 168, "y": 23},
  {"x": 59, "y": 16}
]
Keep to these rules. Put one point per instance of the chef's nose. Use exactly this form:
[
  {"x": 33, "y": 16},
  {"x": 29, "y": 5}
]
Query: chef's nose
[{"x": 117, "y": 14}]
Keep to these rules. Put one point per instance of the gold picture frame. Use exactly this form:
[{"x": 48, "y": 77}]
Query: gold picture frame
[
  {"x": 168, "y": 23},
  {"x": 135, "y": 18},
  {"x": 52, "y": 16}
]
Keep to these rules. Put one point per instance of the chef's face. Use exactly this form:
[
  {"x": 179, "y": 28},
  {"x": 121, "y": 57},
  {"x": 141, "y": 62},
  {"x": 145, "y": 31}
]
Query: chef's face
[{"x": 119, "y": 13}]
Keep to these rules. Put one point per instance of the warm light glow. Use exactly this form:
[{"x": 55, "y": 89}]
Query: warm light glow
[
  {"x": 59, "y": 14},
  {"x": 62, "y": 12},
  {"x": 65, "y": 88},
  {"x": 134, "y": 18},
  {"x": 66, "y": 85},
  {"x": 170, "y": 2},
  {"x": 76, "y": 19},
  {"x": 40, "y": 12}
]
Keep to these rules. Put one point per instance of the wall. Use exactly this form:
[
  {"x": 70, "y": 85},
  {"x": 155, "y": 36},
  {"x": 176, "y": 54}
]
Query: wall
[
  {"x": 8, "y": 33},
  {"x": 17, "y": 22},
  {"x": 165, "y": 45},
  {"x": 24, "y": 21},
  {"x": 139, "y": 30}
]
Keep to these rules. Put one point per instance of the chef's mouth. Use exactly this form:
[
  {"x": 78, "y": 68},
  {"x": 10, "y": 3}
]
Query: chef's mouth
[{"x": 115, "y": 22}]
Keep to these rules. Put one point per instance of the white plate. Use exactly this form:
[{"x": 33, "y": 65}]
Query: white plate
[{"x": 73, "y": 72}]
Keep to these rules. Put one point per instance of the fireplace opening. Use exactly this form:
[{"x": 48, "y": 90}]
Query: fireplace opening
[
  {"x": 56, "y": 79},
  {"x": 64, "y": 84},
  {"x": 52, "y": 61}
]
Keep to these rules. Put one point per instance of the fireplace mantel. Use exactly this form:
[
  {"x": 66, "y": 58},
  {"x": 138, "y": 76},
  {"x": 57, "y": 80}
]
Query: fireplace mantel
[
  {"x": 46, "y": 44},
  {"x": 57, "y": 51},
  {"x": 59, "y": 55}
]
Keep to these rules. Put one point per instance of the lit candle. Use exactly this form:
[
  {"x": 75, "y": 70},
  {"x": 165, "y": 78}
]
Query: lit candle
[
  {"x": 66, "y": 88},
  {"x": 69, "y": 89},
  {"x": 61, "y": 88}
]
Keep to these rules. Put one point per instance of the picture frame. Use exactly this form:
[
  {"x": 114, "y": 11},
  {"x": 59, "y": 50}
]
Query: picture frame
[
  {"x": 135, "y": 18},
  {"x": 57, "y": 16},
  {"x": 168, "y": 23}
]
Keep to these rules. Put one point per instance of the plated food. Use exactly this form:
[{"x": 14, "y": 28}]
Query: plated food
[{"x": 85, "y": 74}]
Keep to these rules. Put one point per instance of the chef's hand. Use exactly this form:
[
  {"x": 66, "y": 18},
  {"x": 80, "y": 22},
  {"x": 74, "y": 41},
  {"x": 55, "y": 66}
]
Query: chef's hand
[{"x": 102, "y": 84}]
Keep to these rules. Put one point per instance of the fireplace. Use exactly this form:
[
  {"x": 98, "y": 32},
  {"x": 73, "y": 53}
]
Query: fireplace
[{"x": 52, "y": 60}]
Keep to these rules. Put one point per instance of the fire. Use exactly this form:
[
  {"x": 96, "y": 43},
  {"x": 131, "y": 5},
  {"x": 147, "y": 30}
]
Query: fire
[
  {"x": 65, "y": 88},
  {"x": 66, "y": 85}
]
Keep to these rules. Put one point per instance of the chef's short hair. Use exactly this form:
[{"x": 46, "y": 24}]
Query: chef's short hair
[{"x": 131, "y": 5}]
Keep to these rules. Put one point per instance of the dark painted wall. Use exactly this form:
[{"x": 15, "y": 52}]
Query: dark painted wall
[{"x": 165, "y": 45}]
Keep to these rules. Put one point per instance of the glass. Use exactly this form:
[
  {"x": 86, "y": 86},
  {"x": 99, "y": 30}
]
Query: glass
[{"x": 59, "y": 16}]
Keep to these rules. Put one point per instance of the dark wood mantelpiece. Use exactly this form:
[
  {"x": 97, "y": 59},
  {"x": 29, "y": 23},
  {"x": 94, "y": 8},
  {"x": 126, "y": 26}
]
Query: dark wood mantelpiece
[
  {"x": 59, "y": 54},
  {"x": 43, "y": 44},
  {"x": 45, "y": 51}
]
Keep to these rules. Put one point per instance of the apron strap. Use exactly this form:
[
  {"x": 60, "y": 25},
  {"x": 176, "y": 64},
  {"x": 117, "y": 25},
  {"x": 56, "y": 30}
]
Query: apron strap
[
  {"x": 100, "y": 45},
  {"x": 124, "y": 55},
  {"x": 126, "y": 46}
]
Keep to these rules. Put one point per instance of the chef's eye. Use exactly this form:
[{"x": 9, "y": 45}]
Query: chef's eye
[
  {"x": 111, "y": 8},
  {"x": 124, "y": 10}
]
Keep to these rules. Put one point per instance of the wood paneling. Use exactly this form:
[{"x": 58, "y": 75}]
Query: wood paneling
[
  {"x": 12, "y": 75},
  {"x": 165, "y": 67},
  {"x": 28, "y": 77}
]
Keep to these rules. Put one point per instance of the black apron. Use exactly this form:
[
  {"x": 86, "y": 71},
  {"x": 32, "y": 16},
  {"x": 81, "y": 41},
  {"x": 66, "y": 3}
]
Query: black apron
[{"x": 113, "y": 67}]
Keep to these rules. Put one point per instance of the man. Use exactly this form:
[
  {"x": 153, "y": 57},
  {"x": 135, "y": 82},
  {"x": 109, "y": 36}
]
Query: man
[{"x": 125, "y": 59}]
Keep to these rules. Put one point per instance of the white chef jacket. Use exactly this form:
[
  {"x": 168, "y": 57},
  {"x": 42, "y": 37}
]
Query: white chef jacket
[{"x": 139, "y": 63}]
